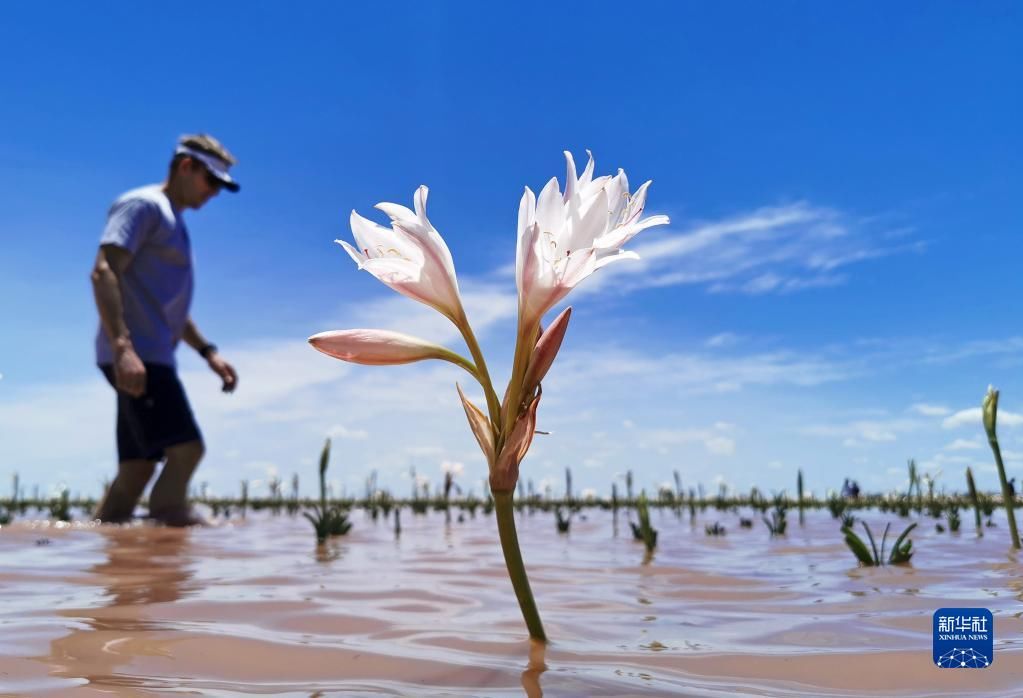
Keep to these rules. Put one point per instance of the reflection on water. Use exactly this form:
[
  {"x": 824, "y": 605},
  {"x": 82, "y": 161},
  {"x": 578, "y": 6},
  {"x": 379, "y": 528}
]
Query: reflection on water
[
  {"x": 256, "y": 607},
  {"x": 142, "y": 567},
  {"x": 535, "y": 667},
  {"x": 330, "y": 551}
]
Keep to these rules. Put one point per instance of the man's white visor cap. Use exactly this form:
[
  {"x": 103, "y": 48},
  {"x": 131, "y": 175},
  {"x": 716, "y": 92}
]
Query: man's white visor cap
[{"x": 217, "y": 167}]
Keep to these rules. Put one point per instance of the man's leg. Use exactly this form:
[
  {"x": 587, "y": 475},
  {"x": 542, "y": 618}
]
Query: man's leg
[
  {"x": 168, "y": 498},
  {"x": 123, "y": 494}
]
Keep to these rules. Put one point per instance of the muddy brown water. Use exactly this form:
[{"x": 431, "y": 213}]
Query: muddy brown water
[{"x": 254, "y": 607}]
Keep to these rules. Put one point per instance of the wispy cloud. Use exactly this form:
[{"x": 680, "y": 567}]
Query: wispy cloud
[
  {"x": 964, "y": 445},
  {"x": 710, "y": 372},
  {"x": 713, "y": 439},
  {"x": 724, "y": 339},
  {"x": 340, "y": 431},
  {"x": 861, "y": 432},
  {"x": 778, "y": 249},
  {"x": 973, "y": 417},
  {"x": 929, "y": 410},
  {"x": 1008, "y": 347}
]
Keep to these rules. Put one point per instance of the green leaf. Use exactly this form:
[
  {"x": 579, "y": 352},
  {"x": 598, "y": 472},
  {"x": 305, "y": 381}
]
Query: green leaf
[
  {"x": 858, "y": 548},
  {"x": 902, "y": 553},
  {"x": 873, "y": 545}
]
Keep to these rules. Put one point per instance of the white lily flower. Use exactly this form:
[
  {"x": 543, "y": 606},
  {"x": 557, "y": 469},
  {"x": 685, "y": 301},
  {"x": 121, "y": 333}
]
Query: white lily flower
[
  {"x": 563, "y": 238},
  {"x": 411, "y": 257}
]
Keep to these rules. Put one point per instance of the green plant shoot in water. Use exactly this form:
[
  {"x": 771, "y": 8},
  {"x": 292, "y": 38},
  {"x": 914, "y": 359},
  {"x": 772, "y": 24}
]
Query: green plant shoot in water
[
  {"x": 799, "y": 495},
  {"x": 715, "y": 529},
  {"x": 990, "y": 412},
  {"x": 327, "y": 519},
  {"x": 777, "y": 523},
  {"x": 900, "y": 553},
  {"x": 643, "y": 530},
  {"x": 975, "y": 501},
  {"x": 563, "y": 522}
]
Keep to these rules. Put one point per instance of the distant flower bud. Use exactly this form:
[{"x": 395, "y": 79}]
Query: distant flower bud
[{"x": 990, "y": 412}]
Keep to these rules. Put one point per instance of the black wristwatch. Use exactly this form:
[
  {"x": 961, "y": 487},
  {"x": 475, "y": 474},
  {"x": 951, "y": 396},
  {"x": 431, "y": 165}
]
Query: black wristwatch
[{"x": 207, "y": 349}]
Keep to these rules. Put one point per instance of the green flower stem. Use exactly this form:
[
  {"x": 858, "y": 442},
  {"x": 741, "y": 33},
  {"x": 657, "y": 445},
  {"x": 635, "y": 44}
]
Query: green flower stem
[
  {"x": 460, "y": 361},
  {"x": 523, "y": 351},
  {"x": 1007, "y": 497},
  {"x": 975, "y": 500},
  {"x": 481, "y": 373},
  {"x": 516, "y": 569}
]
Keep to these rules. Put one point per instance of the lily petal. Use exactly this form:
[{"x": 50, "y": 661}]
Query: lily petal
[
  {"x": 546, "y": 350},
  {"x": 412, "y": 238},
  {"x": 377, "y": 347},
  {"x": 480, "y": 425},
  {"x": 504, "y": 474},
  {"x": 571, "y": 180},
  {"x": 579, "y": 232}
]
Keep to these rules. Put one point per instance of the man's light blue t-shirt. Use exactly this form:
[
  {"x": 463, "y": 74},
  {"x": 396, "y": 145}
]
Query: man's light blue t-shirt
[{"x": 156, "y": 288}]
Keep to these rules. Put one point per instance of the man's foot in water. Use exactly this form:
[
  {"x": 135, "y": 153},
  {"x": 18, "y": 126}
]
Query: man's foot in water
[{"x": 177, "y": 517}]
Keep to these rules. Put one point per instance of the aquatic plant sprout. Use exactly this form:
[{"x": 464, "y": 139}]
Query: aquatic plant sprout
[
  {"x": 562, "y": 238},
  {"x": 900, "y": 554},
  {"x": 989, "y": 409}
]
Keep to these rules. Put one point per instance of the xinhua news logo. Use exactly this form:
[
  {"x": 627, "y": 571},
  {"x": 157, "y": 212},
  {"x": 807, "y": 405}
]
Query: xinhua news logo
[{"x": 964, "y": 638}]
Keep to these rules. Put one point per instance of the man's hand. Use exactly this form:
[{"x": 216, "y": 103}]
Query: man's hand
[
  {"x": 129, "y": 372},
  {"x": 225, "y": 371}
]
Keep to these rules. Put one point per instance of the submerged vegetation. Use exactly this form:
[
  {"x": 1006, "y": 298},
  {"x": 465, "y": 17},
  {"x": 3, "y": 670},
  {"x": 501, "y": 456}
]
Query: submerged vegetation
[
  {"x": 990, "y": 413},
  {"x": 329, "y": 514},
  {"x": 643, "y": 531},
  {"x": 900, "y": 554},
  {"x": 327, "y": 519},
  {"x": 778, "y": 523}
]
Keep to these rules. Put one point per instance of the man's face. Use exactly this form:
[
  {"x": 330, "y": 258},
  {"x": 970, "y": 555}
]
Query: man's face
[{"x": 199, "y": 184}]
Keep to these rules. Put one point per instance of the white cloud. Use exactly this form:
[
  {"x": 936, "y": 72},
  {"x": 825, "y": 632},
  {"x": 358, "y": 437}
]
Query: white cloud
[
  {"x": 964, "y": 444},
  {"x": 854, "y": 434},
  {"x": 974, "y": 349},
  {"x": 929, "y": 410},
  {"x": 720, "y": 445},
  {"x": 723, "y": 339},
  {"x": 340, "y": 431},
  {"x": 877, "y": 434},
  {"x": 454, "y": 467},
  {"x": 973, "y": 417},
  {"x": 779, "y": 249},
  {"x": 699, "y": 373},
  {"x": 945, "y": 459},
  {"x": 662, "y": 439}
]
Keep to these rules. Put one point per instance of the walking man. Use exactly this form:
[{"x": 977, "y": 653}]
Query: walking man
[{"x": 142, "y": 282}]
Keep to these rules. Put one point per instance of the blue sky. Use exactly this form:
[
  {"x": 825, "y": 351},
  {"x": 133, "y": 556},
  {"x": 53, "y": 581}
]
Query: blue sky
[{"x": 837, "y": 288}]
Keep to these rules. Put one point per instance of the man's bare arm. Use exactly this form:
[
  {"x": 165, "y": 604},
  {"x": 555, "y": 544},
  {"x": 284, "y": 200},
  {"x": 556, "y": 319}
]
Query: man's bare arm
[
  {"x": 195, "y": 339},
  {"x": 129, "y": 372},
  {"x": 111, "y": 261},
  {"x": 192, "y": 336}
]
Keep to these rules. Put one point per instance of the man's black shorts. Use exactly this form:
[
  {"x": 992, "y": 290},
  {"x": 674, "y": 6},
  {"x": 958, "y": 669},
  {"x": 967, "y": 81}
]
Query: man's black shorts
[{"x": 160, "y": 418}]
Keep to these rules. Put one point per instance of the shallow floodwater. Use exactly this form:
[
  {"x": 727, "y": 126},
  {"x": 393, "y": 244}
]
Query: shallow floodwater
[{"x": 253, "y": 607}]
